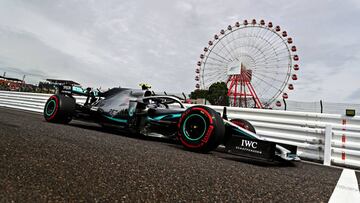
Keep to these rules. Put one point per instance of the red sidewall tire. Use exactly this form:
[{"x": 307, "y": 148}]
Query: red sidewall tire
[
  {"x": 52, "y": 116},
  {"x": 211, "y": 125},
  {"x": 243, "y": 124},
  {"x": 59, "y": 109}
]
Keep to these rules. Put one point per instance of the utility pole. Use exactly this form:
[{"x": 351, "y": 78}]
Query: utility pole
[{"x": 4, "y": 74}]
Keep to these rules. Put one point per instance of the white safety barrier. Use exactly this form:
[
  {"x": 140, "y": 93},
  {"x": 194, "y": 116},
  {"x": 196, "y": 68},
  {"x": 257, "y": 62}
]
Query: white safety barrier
[
  {"x": 27, "y": 101},
  {"x": 329, "y": 138}
]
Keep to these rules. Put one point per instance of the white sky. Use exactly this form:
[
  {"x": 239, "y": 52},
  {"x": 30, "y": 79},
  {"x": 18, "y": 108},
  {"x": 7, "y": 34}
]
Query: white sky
[{"x": 111, "y": 43}]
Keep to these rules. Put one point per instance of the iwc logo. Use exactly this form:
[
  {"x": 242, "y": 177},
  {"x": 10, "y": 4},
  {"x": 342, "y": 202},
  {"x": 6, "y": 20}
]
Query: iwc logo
[{"x": 249, "y": 143}]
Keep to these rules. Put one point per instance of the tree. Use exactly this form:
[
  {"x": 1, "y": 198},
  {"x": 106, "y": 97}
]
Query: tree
[
  {"x": 217, "y": 94},
  {"x": 198, "y": 94}
]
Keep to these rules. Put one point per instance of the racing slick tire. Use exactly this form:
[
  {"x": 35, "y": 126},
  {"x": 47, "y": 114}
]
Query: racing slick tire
[
  {"x": 59, "y": 109},
  {"x": 243, "y": 124},
  {"x": 201, "y": 129}
]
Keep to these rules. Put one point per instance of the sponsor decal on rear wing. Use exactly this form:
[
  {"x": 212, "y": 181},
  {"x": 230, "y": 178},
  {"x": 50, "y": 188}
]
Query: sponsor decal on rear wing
[
  {"x": 69, "y": 89},
  {"x": 65, "y": 89}
]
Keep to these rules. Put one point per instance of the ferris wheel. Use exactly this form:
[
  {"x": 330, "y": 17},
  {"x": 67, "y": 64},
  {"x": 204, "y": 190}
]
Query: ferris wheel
[{"x": 256, "y": 60}]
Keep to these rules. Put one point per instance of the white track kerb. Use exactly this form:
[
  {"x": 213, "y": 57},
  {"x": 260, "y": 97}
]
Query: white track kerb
[
  {"x": 347, "y": 189},
  {"x": 328, "y": 138}
]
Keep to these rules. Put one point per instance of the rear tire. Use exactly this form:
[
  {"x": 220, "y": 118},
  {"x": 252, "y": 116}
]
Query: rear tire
[
  {"x": 59, "y": 109},
  {"x": 201, "y": 129}
]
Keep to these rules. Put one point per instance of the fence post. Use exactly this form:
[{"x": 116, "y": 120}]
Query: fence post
[
  {"x": 284, "y": 104},
  {"x": 327, "y": 148},
  {"x": 321, "y": 106}
]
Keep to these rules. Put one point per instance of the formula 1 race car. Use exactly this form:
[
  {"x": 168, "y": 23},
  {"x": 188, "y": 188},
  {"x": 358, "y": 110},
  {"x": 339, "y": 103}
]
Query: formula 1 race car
[{"x": 198, "y": 128}]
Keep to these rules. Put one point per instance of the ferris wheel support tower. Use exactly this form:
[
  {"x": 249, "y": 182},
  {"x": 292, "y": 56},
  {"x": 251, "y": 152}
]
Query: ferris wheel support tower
[
  {"x": 240, "y": 88},
  {"x": 257, "y": 61}
]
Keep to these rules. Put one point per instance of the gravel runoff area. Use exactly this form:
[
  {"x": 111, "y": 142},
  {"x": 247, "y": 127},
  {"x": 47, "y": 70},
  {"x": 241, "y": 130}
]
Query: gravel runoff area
[{"x": 81, "y": 162}]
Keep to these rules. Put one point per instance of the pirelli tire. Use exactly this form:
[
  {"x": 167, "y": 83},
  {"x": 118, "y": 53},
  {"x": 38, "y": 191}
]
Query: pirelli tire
[
  {"x": 59, "y": 109},
  {"x": 201, "y": 129},
  {"x": 243, "y": 124}
]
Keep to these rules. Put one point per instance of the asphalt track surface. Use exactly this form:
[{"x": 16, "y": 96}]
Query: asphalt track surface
[{"x": 81, "y": 162}]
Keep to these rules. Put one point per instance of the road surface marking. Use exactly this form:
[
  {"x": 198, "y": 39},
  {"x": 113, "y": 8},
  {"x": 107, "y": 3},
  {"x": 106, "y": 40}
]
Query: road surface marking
[{"x": 347, "y": 189}]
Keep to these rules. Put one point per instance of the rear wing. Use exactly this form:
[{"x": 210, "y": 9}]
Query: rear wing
[{"x": 71, "y": 90}]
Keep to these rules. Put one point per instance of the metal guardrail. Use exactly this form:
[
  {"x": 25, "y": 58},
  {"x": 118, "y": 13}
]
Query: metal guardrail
[
  {"x": 308, "y": 132},
  {"x": 329, "y": 138}
]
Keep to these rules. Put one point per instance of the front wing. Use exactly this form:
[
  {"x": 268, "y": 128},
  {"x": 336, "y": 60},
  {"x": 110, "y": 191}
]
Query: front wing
[
  {"x": 245, "y": 143},
  {"x": 260, "y": 149}
]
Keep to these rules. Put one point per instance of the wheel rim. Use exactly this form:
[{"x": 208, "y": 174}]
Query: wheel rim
[
  {"x": 50, "y": 108},
  {"x": 193, "y": 126}
]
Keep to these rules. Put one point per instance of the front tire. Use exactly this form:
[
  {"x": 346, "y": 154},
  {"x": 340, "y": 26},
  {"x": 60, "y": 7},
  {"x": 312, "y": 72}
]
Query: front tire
[
  {"x": 244, "y": 124},
  {"x": 201, "y": 129},
  {"x": 59, "y": 109}
]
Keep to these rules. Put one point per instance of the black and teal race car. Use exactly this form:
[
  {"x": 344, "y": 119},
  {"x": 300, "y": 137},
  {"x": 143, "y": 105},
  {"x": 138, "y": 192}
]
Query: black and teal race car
[{"x": 198, "y": 128}]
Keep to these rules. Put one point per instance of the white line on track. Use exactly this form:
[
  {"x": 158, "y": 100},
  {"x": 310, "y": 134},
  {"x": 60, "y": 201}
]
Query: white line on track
[{"x": 347, "y": 189}]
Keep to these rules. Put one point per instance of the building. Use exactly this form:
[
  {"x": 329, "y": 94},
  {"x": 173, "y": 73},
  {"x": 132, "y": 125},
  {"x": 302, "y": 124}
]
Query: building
[{"x": 12, "y": 84}]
